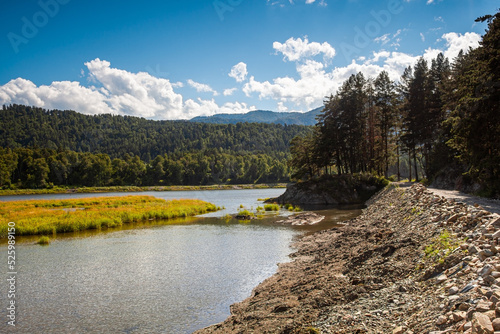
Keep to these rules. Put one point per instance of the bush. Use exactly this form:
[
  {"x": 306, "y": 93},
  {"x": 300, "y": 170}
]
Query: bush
[
  {"x": 44, "y": 241},
  {"x": 272, "y": 207}
]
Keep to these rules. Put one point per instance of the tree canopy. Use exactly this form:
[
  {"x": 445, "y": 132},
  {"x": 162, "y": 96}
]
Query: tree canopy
[{"x": 436, "y": 115}]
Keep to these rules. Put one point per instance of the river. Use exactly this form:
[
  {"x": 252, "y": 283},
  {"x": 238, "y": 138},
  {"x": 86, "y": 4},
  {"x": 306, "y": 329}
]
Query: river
[{"x": 173, "y": 277}]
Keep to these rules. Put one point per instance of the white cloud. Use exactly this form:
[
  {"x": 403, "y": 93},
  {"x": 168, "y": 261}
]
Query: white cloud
[
  {"x": 58, "y": 95},
  {"x": 210, "y": 107},
  {"x": 137, "y": 94},
  {"x": 239, "y": 72},
  {"x": 229, "y": 91},
  {"x": 202, "y": 88},
  {"x": 456, "y": 42},
  {"x": 315, "y": 81},
  {"x": 422, "y": 36},
  {"x": 141, "y": 94},
  {"x": 118, "y": 92},
  {"x": 310, "y": 1},
  {"x": 384, "y": 39},
  {"x": 297, "y": 49}
]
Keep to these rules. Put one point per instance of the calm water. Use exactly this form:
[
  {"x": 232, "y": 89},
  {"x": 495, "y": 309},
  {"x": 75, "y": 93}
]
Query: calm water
[{"x": 174, "y": 278}]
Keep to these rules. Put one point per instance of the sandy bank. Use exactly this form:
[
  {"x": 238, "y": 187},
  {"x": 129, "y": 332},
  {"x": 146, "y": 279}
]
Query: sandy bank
[{"x": 413, "y": 262}]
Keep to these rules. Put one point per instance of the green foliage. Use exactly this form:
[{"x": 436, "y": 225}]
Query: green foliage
[
  {"x": 438, "y": 115},
  {"x": 43, "y": 241},
  {"x": 271, "y": 207},
  {"x": 65, "y": 148},
  {"x": 441, "y": 247},
  {"x": 245, "y": 213}
]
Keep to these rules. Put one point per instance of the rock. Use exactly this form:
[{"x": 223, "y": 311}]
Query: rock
[
  {"x": 481, "y": 324},
  {"x": 306, "y": 218},
  {"x": 453, "y": 290},
  {"x": 398, "y": 330},
  {"x": 486, "y": 270},
  {"x": 441, "y": 278},
  {"x": 473, "y": 249},
  {"x": 496, "y": 324},
  {"x": 459, "y": 316},
  {"x": 484, "y": 254},
  {"x": 441, "y": 320},
  {"x": 484, "y": 306}
]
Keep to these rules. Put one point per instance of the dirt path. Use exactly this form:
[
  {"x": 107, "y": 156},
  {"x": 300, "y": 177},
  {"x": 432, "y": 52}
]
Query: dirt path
[{"x": 490, "y": 205}]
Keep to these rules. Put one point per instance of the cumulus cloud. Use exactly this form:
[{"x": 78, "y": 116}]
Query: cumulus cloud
[
  {"x": 210, "y": 107},
  {"x": 141, "y": 94},
  {"x": 58, "y": 95},
  {"x": 239, "y": 72},
  {"x": 456, "y": 42},
  {"x": 298, "y": 49},
  {"x": 315, "y": 80},
  {"x": 202, "y": 88},
  {"x": 229, "y": 91},
  {"x": 117, "y": 92}
]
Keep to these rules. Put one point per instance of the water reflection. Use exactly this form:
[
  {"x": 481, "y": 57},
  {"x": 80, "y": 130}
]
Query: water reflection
[{"x": 157, "y": 277}]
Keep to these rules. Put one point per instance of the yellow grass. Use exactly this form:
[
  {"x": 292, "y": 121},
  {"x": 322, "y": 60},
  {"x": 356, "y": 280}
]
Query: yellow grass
[{"x": 58, "y": 216}]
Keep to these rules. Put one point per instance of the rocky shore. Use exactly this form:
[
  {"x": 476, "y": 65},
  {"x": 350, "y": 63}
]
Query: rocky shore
[{"x": 413, "y": 262}]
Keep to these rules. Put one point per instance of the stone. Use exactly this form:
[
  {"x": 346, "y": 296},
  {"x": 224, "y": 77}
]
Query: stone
[
  {"x": 481, "y": 324},
  {"x": 484, "y": 306},
  {"x": 398, "y": 330},
  {"x": 496, "y": 324},
  {"x": 453, "y": 290},
  {"x": 491, "y": 314},
  {"x": 441, "y": 278},
  {"x": 467, "y": 325},
  {"x": 441, "y": 320},
  {"x": 459, "y": 316},
  {"x": 484, "y": 254},
  {"x": 486, "y": 270},
  {"x": 473, "y": 249}
]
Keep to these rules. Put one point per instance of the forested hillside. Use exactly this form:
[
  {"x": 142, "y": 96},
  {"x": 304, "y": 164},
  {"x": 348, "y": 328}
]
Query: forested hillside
[
  {"x": 24, "y": 126},
  {"x": 443, "y": 115},
  {"x": 41, "y": 148},
  {"x": 263, "y": 116}
]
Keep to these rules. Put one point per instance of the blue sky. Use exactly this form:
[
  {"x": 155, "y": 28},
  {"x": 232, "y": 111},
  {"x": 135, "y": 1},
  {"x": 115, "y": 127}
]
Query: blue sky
[{"x": 180, "y": 59}]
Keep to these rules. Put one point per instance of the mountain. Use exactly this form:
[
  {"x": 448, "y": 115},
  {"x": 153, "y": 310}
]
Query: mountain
[{"x": 262, "y": 116}]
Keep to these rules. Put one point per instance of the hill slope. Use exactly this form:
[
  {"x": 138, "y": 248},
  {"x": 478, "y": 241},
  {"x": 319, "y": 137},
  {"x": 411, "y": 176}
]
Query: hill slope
[
  {"x": 22, "y": 126},
  {"x": 262, "y": 116}
]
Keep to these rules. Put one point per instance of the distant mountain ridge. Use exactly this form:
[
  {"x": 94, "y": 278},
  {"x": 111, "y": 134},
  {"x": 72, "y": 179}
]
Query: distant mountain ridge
[{"x": 262, "y": 116}]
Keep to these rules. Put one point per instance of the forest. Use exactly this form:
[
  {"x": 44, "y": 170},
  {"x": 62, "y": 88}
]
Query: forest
[
  {"x": 442, "y": 117},
  {"x": 44, "y": 148}
]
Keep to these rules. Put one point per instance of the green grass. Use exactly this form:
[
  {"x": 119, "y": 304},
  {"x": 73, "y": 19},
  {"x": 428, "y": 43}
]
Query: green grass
[
  {"x": 70, "y": 190},
  {"x": 49, "y": 217}
]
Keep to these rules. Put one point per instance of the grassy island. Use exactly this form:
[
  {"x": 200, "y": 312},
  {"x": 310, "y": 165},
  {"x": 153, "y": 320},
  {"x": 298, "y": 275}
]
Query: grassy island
[{"x": 48, "y": 217}]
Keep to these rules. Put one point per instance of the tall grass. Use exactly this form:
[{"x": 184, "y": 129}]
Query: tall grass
[{"x": 58, "y": 216}]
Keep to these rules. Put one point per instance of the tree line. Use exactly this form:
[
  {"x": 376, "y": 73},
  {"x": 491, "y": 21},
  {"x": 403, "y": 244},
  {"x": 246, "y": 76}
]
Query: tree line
[
  {"x": 439, "y": 114},
  {"x": 24, "y": 126},
  {"x": 43, "y": 148},
  {"x": 42, "y": 167}
]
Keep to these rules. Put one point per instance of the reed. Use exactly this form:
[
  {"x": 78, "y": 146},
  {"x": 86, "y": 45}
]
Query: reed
[{"x": 49, "y": 217}]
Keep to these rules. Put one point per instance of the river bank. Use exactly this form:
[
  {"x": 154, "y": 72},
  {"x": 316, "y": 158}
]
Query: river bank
[
  {"x": 49, "y": 217},
  {"x": 86, "y": 190},
  {"x": 413, "y": 262}
]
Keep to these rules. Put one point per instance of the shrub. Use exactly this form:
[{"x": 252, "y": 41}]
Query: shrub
[
  {"x": 272, "y": 207},
  {"x": 44, "y": 241}
]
